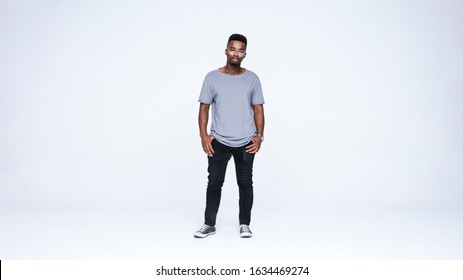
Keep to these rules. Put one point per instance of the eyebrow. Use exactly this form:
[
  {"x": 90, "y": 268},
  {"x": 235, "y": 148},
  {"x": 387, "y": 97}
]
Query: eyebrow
[{"x": 232, "y": 48}]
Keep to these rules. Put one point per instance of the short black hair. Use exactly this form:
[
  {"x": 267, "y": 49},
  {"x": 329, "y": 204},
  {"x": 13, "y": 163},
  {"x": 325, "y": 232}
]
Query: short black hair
[{"x": 238, "y": 37}]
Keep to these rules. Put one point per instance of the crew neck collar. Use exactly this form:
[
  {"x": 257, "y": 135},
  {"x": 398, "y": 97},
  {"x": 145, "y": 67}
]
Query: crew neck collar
[{"x": 233, "y": 75}]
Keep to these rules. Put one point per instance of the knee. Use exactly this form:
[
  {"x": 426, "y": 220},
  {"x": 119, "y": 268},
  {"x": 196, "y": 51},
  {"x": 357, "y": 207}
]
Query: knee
[
  {"x": 214, "y": 185},
  {"x": 245, "y": 183}
]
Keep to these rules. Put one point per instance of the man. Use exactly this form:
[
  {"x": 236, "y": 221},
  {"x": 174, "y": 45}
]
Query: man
[{"x": 237, "y": 130}]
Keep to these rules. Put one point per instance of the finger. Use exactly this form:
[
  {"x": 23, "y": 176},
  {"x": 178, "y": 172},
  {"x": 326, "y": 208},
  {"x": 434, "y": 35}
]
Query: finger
[
  {"x": 253, "y": 151},
  {"x": 252, "y": 144},
  {"x": 254, "y": 147},
  {"x": 250, "y": 147},
  {"x": 211, "y": 150}
]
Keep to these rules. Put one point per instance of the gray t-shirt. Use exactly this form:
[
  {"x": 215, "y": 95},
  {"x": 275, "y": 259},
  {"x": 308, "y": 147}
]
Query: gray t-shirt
[{"x": 232, "y": 97}]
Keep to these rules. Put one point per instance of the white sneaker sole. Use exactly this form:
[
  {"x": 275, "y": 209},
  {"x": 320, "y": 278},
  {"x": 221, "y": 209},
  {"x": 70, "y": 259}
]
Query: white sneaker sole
[{"x": 202, "y": 235}]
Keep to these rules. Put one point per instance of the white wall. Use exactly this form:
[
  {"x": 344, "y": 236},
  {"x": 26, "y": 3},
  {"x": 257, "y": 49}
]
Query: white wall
[{"x": 98, "y": 100}]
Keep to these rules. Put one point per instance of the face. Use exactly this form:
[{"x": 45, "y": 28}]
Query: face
[{"x": 235, "y": 52}]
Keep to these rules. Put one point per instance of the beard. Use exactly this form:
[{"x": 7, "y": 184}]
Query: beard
[{"x": 235, "y": 63}]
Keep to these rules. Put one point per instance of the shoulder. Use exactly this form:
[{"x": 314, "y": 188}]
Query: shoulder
[
  {"x": 212, "y": 73},
  {"x": 252, "y": 75}
]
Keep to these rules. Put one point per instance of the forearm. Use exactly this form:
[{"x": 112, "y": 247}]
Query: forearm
[
  {"x": 206, "y": 140},
  {"x": 259, "y": 119},
  {"x": 203, "y": 119}
]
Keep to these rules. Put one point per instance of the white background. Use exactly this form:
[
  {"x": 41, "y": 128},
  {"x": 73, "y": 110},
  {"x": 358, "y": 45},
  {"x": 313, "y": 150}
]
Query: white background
[{"x": 100, "y": 155}]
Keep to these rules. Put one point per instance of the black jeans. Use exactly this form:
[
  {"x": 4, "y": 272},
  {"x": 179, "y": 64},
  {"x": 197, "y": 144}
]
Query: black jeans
[{"x": 217, "y": 168}]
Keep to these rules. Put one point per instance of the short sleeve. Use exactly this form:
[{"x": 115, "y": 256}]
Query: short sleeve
[
  {"x": 257, "y": 95},
  {"x": 206, "y": 95}
]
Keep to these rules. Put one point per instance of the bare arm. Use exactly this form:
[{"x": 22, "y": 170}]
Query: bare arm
[
  {"x": 259, "y": 119},
  {"x": 206, "y": 139}
]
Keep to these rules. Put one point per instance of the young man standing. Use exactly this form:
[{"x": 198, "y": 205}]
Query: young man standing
[{"x": 237, "y": 130}]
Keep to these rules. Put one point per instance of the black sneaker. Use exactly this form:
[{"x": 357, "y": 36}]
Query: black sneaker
[
  {"x": 205, "y": 231},
  {"x": 245, "y": 232}
]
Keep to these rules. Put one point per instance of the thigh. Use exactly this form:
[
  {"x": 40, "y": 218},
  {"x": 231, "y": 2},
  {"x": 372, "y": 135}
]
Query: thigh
[
  {"x": 243, "y": 160},
  {"x": 219, "y": 159}
]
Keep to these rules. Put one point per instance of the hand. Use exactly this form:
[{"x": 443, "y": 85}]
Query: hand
[
  {"x": 206, "y": 141},
  {"x": 254, "y": 147}
]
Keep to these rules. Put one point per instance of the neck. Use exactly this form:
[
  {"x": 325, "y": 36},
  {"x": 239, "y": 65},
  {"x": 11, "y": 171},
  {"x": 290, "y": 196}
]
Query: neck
[{"x": 232, "y": 69}]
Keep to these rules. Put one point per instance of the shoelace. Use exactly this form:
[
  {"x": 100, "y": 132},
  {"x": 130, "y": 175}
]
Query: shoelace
[
  {"x": 204, "y": 228},
  {"x": 245, "y": 228}
]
